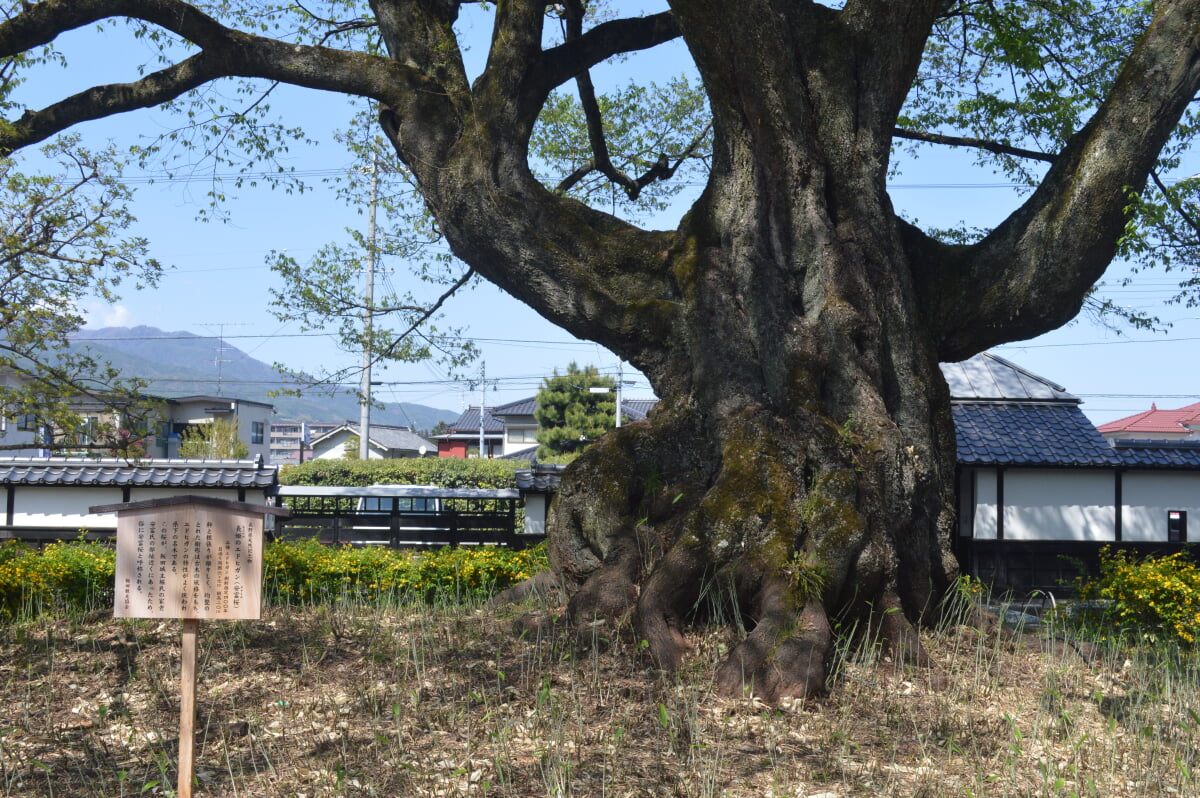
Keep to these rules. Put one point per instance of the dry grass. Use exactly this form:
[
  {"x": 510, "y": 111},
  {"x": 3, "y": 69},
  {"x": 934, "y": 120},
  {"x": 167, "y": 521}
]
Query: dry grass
[{"x": 449, "y": 702}]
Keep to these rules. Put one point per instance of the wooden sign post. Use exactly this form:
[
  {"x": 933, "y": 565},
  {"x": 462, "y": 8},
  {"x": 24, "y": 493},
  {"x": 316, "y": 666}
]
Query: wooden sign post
[{"x": 188, "y": 557}]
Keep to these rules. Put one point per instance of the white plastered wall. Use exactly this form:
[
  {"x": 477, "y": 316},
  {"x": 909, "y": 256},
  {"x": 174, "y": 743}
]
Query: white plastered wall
[
  {"x": 535, "y": 514},
  {"x": 1147, "y": 496},
  {"x": 985, "y": 504},
  {"x": 63, "y": 507},
  {"x": 1059, "y": 505},
  {"x": 1046, "y": 504}
]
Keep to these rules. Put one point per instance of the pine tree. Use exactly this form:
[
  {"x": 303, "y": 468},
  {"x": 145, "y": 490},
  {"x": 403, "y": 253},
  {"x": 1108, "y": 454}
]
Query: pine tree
[{"x": 570, "y": 414}]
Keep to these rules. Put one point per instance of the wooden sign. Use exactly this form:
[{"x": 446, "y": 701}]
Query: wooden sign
[
  {"x": 188, "y": 557},
  {"x": 189, "y": 561}
]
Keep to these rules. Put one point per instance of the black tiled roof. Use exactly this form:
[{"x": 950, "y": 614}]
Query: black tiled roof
[
  {"x": 521, "y": 407},
  {"x": 1034, "y": 434},
  {"x": 469, "y": 422},
  {"x": 540, "y": 478},
  {"x": 1158, "y": 454},
  {"x": 116, "y": 472},
  {"x": 632, "y": 409}
]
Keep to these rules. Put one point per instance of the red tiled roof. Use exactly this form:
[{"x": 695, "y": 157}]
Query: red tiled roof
[{"x": 1155, "y": 421}]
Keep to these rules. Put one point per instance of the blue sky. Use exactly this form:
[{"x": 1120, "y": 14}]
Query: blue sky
[{"x": 219, "y": 282}]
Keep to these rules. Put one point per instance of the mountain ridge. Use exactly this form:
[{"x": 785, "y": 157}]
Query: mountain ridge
[{"x": 179, "y": 363}]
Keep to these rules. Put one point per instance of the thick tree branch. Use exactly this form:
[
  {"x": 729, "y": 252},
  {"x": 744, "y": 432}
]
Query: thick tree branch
[
  {"x": 40, "y": 23},
  {"x": 1031, "y": 273},
  {"x": 101, "y": 101},
  {"x": 562, "y": 63},
  {"x": 224, "y": 53}
]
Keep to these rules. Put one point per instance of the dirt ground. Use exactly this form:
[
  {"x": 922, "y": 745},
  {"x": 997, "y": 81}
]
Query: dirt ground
[{"x": 452, "y": 702}]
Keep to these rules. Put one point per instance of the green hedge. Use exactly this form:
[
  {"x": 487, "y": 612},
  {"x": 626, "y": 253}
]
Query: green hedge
[
  {"x": 79, "y": 575},
  {"x": 444, "y": 472}
]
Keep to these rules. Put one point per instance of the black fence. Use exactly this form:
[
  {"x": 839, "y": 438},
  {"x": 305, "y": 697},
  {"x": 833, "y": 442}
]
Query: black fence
[{"x": 404, "y": 516}]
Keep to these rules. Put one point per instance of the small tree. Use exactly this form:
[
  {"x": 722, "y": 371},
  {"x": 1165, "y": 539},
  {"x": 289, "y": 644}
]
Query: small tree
[
  {"x": 350, "y": 448},
  {"x": 219, "y": 440},
  {"x": 63, "y": 245},
  {"x": 570, "y": 414}
]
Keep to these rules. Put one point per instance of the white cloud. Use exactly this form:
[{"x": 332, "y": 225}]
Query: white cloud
[{"x": 104, "y": 315}]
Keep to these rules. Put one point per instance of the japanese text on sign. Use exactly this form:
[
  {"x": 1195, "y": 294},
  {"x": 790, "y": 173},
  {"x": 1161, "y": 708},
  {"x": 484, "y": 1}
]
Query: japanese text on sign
[{"x": 188, "y": 562}]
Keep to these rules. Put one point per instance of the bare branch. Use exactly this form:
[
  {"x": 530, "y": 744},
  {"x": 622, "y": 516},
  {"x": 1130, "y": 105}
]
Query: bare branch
[
  {"x": 428, "y": 313},
  {"x": 1175, "y": 204},
  {"x": 969, "y": 141}
]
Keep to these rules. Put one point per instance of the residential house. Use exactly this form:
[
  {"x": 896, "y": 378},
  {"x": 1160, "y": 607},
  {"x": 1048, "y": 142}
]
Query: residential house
[
  {"x": 510, "y": 430},
  {"x": 461, "y": 440},
  {"x": 1041, "y": 490},
  {"x": 176, "y": 416},
  {"x": 384, "y": 443},
  {"x": 1154, "y": 424},
  {"x": 253, "y": 419}
]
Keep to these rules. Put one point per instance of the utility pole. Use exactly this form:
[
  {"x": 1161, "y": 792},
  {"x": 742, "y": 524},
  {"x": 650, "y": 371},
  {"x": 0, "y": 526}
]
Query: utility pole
[
  {"x": 482, "y": 383},
  {"x": 620, "y": 366},
  {"x": 364, "y": 421},
  {"x": 482, "y": 397}
]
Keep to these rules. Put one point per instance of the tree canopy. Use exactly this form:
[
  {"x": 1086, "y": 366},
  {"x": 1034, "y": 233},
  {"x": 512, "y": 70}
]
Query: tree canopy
[{"x": 801, "y": 459}]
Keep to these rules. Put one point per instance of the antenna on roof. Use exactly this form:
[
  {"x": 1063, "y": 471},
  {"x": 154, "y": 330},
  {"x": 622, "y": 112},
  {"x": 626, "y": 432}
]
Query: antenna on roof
[{"x": 218, "y": 361}]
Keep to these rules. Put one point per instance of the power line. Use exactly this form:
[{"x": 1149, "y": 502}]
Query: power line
[
  {"x": 1098, "y": 343},
  {"x": 191, "y": 336}
]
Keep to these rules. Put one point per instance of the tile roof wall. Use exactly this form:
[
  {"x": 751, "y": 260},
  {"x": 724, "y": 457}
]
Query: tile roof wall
[{"x": 113, "y": 472}]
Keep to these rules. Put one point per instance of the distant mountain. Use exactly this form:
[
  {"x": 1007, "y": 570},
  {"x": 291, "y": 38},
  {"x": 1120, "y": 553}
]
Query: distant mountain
[{"x": 183, "y": 364}]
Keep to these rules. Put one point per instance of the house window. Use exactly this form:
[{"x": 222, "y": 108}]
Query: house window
[
  {"x": 522, "y": 435},
  {"x": 27, "y": 422},
  {"x": 257, "y": 428}
]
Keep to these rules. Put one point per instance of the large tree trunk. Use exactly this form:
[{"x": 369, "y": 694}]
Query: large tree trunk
[{"x": 802, "y": 458}]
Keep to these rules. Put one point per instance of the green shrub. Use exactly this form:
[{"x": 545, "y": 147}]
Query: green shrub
[
  {"x": 75, "y": 575},
  {"x": 307, "y": 571},
  {"x": 444, "y": 472},
  {"x": 1154, "y": 598},
  {"x": 79, "y": 575}
]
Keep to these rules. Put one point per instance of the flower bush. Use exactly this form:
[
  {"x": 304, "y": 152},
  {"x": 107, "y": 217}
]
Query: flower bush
[
  {"x": 1154, "y": 598},
  {"x": 310, "y": 572},
  {"x": 76, "y": 575},
  {"x": 79, "y": 575}
]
